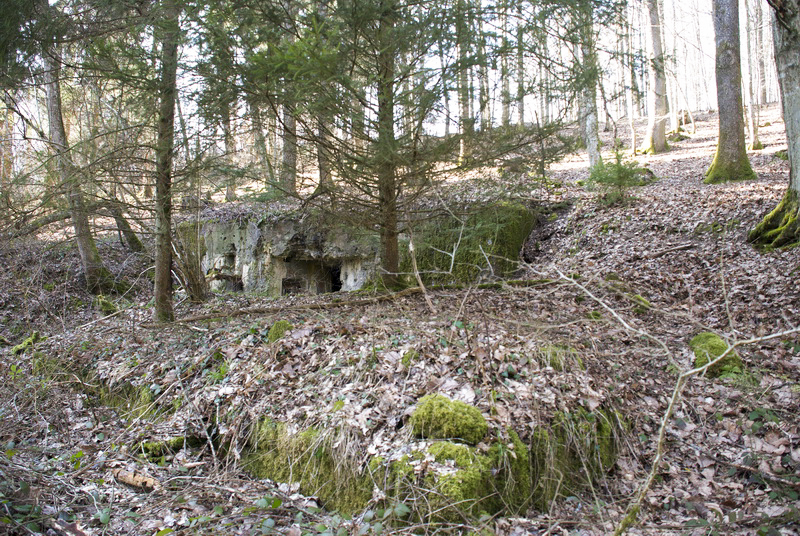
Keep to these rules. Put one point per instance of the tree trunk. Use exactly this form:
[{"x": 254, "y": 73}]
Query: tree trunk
[
  {"x": 98, "y": 278},
  {"x": 730, "y": 162},
  {"x": 289, "y": 153},
  {"x": 165, "y": 144},
  {"x": 230, "y": 151},
  {"x": 656, "y": 138},
  {"x": 483, "y": 77},
  {"x": 289, "y": 156},
  {"x": 780, "y": 227},
  {"x": 387, "y": 186},
  {"x": 520, "y": 69},
  {"x": 505, "y": 75},
  {"x": 589, "y": 92}
]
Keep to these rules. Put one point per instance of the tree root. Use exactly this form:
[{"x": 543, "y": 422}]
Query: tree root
[{"x": 780, "y": 228}]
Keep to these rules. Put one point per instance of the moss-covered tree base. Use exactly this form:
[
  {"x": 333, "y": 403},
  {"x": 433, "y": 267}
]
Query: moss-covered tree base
[
  {"x": 780, "y": 227},
  {"x": 720, "y": 171}
]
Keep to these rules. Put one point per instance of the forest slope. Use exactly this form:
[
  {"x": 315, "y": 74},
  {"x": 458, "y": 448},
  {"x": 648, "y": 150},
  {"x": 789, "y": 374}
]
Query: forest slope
[{"x": 615, "y": 293}]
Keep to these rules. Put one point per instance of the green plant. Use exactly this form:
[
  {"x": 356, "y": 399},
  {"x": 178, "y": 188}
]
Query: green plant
[{"x": 616, "y": 178}]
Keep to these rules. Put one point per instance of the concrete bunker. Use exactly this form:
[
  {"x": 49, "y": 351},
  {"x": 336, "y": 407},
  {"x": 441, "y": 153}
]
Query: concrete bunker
[{"x": 286, "y": 257}]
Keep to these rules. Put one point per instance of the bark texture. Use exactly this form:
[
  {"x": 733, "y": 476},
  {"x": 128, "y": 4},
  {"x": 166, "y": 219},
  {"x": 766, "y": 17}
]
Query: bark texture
[
  {"x": 730, "y": 162},
  {"x": 780, "y": 227}
]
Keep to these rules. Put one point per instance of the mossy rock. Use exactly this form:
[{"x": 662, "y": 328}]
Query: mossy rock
[
  {"x": 308, "y": 458},
  {"x": 489, "y": 240},
  {"x": 29, "y": 342},
  {"x": 438, "y": 417},
  {"x": 463, "y": 483},
  {"x": 572, "y": 453},
  {"x": 278, "y": 330},
  {"x": 708, "y": 346},
  {"x": 409, "y": 357}
]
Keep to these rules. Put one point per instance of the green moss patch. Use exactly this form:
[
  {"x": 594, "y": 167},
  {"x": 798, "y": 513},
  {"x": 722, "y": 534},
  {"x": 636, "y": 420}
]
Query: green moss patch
[
  {"x": 709, "y": 346},
  {"x": 278, "y": 330},
  {"x": 29, "y": 342},
  {"x": 438, "y": 417},
  {"x": 453, "y": 249}
]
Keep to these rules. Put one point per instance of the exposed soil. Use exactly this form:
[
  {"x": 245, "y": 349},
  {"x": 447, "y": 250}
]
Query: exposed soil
[{"x": 625, "y": 287}]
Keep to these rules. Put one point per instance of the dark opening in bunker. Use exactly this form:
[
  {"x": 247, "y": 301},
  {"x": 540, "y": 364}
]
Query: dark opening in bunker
[
  {"x": 336, "y": 278},
  {"x": 311, "y": 277},
  {"x": 293, "y": 285}
]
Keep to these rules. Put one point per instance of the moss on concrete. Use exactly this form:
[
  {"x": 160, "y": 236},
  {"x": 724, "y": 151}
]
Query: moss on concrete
[
  {"x": 307, "y": 458},
  {"x": 574, "y": 451},
  {"x": 489, "y": 241},
  {"x": 708, "y": 346},
  {"x": 104, "y": 305},
  {"x": 511, "y": 462},
  {"x": 779, "y": 228},
  {"x": 153, "y": 450},
  {"x": 438, "y": 417},
  {"x": 278, "y": 330}
]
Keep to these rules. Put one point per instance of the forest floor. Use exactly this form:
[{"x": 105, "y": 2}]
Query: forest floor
[{"x": 74, "y": 407}]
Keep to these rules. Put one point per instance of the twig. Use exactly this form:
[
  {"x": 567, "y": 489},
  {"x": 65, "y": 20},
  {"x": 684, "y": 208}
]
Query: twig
[
  {"x": 670, "y": 250},
  {"x": 304, "y": 307},
  {"x": 419, "y": 278}
]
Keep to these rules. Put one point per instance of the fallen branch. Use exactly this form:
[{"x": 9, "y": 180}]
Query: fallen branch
[
  {"x": 670, "y": 250},
  {"x": 280, "y": 309}
]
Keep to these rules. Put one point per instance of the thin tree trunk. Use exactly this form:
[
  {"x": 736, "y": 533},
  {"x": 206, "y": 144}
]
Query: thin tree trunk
[
  {"x": 289, "y": 153},
  {"x": 465, "y": 120},
  {"x": 752, "y": 109},
  {"x": 520, "y": 68},
  {"x": 505, "y": 75},
  {"x": 165, "y": 145},
  {"x": 323, "y": 139},
  {"x": 761, "y": 85},
  {"x": 483, "y": 76},
  {"x": 589, "y": 93}
]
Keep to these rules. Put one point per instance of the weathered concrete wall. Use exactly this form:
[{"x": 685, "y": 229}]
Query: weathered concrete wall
[{"x": 286, "y": 256}]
